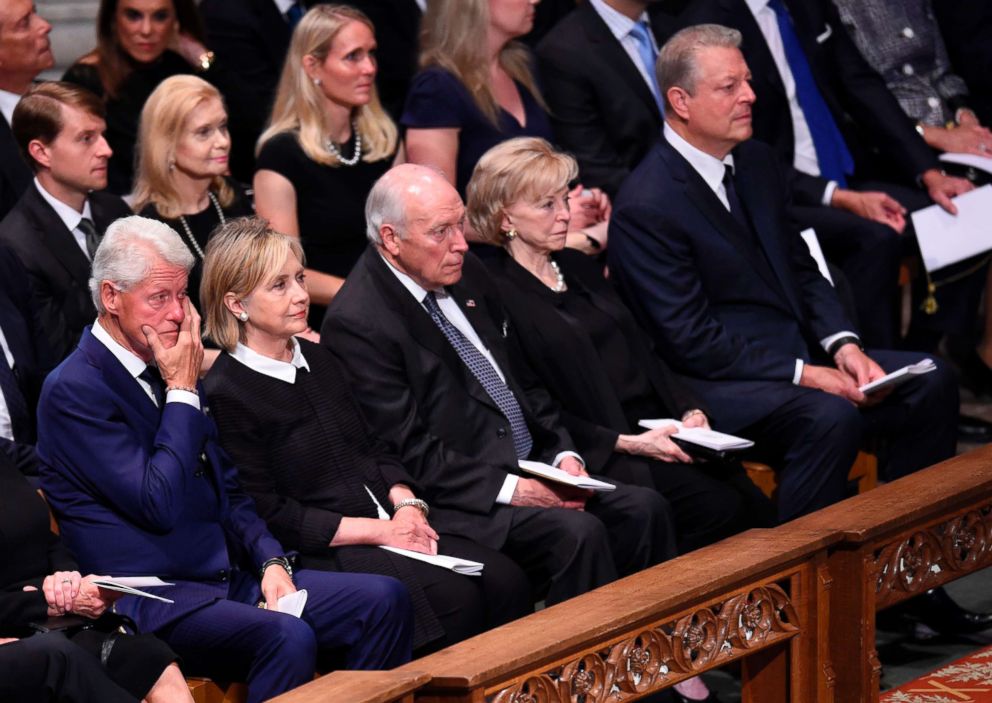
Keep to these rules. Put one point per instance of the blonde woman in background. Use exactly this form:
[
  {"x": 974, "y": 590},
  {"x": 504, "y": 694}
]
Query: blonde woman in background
[{"x": 328, "y": 141}]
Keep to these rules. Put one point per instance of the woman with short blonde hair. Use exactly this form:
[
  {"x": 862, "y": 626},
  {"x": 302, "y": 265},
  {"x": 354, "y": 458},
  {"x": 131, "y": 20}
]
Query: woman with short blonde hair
[{"x": 328, "y": 141}]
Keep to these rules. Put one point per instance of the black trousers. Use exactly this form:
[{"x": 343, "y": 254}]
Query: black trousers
[
  {"x": 568, "y": 552},
  {"x": 48, "y": 667},
  {"x": 812, "y": 440}
]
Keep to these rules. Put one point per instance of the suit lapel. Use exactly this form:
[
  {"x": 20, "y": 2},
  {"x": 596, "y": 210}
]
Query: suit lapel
[
  {"x": 122, "y": 383},
  {"x": 606, "y": 46},
  {"x": 57, "y": 239}
]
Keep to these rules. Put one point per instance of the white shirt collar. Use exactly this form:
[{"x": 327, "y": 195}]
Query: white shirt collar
[
  {"x": 756, "y": 6},
  {"x": 284, "y": 5},
  {"x": 709, "y": 167},
  {"x": 8, "y": 101},
  {"x": 618, "y": 23},
  {"x": 68, "y": 215},
  {"x": 416, "y": 290},
  {"x": 131, "y": 361},
  {"x": 266, "y": 365}
]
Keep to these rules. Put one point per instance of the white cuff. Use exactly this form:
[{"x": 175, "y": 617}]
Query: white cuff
[
  {"x": 509, "y": 487},
  {"x": 827, "y": 341},
  {"x": 562, "y": 455},
  {"x": 178, "y": 396},
  {"x": 798, "y": 373},
  {"x": 828, "y": 193}
]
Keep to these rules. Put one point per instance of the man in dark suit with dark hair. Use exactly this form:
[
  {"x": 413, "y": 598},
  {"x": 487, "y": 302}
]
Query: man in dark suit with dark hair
[
  {"x": 24, "y": 53},
  {"x": 57, "y": 224},
  {"x": 701, "y": 247},
  {"x": 420, "y": 329}
]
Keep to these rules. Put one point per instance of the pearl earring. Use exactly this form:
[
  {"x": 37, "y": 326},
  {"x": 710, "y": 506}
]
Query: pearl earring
[
  {"x": 511, "y": 234},
  {"x": 172, "y": 165},
  {"x": 243, "y": 316},
  {"x": 317, "y": 81}
]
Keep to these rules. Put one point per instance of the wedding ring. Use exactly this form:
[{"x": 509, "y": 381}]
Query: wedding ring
[
  {"x": 983, "y": 147},
  {"x": 66, "y": 580}
]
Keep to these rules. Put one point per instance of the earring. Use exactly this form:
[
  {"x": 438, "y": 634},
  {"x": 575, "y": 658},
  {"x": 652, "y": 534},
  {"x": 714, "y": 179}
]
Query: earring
[
  {"x": 172, "y": 165},
  {"x": 243, "y": 316},
  {"x": 317, "y": 81},
  {"x": 511, "y": 234}
]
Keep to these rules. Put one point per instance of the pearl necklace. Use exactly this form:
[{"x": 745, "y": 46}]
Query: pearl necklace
[
  {"x": 559, "y": 287},
  {"x": 189, "y": 232},
  {"x": 355, "y": 156}
]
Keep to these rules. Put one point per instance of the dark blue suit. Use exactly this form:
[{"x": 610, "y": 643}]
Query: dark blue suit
[
  {"x": 731, "y": 307},
  {"x": 140, "y": 490}
]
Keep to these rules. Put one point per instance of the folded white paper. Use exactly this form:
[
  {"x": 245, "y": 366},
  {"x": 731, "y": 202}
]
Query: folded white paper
[
  {"x": 292, "y": 603},
  {"x": 813, "y": 244},
  {"x": 983, "y": 163},
  {"x": 466, "y": 567},
  {"x": 132, "y": 585},
  {"x": 711, "y": 439},
  {"x": 560, "y": 476},
  {"x": 899, "y": 376},
  {"x": 946, "y": 239}
]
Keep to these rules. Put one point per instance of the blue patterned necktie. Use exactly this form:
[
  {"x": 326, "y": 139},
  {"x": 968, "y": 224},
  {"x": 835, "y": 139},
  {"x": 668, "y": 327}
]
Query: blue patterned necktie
[
  {"x": 17, "y": 406},
  {"x": 836, "y": 162},
  {"x": 294, "y": 14},
  {"x": 486, "y": 375},
  {"x": 645, "y": 48}
]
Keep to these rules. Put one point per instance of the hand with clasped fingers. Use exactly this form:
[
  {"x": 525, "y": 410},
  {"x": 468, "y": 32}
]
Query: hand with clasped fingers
[
  {"x": 407, "y": 529},
  {"x": 179, "y": 365},
  {"x": 854, "y": 369},
  {"x": 68, "y": 592}
]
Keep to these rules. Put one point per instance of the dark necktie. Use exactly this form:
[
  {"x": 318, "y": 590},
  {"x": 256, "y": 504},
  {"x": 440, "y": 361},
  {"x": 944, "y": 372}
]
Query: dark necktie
[
  {"x": 17, "y": 406},
  {"x": 486, "y": 375},
  {"x": 153, "y": 378},
  {"x": 87, "y": 227},
  {"x": 831, "y": 150},
  {"x": 294, "y": 14},
  {"x": 736, "y": 209}
]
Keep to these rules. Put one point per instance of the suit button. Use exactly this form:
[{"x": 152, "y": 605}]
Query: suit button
[
  {"x": 222, "y": 574},
  {"x": 501, "y": 433}
]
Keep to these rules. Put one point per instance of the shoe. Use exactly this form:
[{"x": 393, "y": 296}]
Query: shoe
[
  {"x": 973, "y": 429},
  {"x": 938, "y": 611}
]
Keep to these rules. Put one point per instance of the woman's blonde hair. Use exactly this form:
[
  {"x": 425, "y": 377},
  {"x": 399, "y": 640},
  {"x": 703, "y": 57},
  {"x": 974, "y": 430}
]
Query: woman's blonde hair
[
  {"x": 163, "y": 121},
  {"x": 240, "y": 256},
  {"x": 453, "y": 37},
  {"x": 525, "y": 168},
  {"x": 298, "y": 101}
]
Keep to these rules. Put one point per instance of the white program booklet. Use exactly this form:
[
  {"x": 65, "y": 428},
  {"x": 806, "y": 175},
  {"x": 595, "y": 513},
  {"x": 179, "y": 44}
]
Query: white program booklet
[
  {"x": 980, "y": 162},
  {"x": 466, "y": 567},
  {"x": 946, "y": 239},
  {"x": 899, "y": 376},
  {"x": 711, "y": 439},
  {"x": 550, "y": 473},
  {"x": 292, "y": 603},
  {"x": 132, "y": 585}
]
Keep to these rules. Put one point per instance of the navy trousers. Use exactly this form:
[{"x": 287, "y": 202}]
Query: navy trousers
[{"x": 368, "y": 616}]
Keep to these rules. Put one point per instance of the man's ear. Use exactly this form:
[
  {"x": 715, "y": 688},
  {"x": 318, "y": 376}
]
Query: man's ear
[
  {"x": 110, "y": 296},
  {"x": 390, "y": 239},
  {"x": 38, "y": 151},
  {"x": 678, "y": 101}
]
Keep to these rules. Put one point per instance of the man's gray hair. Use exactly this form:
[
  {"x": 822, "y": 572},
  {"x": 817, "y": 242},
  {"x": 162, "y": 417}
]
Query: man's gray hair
[
  {"x": 127, "y": 252},
  {"x": 384, "y": 206},
  {"x": 676, "y": 65}
]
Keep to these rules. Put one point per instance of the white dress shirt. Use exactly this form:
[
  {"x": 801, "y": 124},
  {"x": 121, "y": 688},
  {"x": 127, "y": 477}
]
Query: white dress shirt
[
  {"x": 804, "y": 154},
  {"x": 711, "y": 170},
  {"x": 6, "y": 426},
  {"x": 457, "y": 318},
  {"x": 8, "y": 101},
  {"x": 69, "y": 216},
  {"x": 135, "y": 366},
  {"x": 621, "y": 25}
]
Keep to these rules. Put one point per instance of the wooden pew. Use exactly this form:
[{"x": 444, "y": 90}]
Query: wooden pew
[
  {"x": 758, "y": 599},
  {"x": 358, "y": 687},
  {"x": 898, "y": 541}
]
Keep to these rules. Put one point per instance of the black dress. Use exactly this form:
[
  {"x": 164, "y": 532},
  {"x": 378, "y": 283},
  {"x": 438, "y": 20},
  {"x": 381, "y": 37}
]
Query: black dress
[
  {"x": 124, "y": 109},
  {"x": 306, "y": 457},
  {"x": 201, "y": 226},
  {"x": 330, "y": 205},
  {"x": 29, "y": 551},
  {"x": 585, "y": 348}
]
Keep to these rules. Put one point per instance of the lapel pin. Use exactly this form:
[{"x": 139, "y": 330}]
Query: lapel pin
[
  {"x": 470, "y": 303},
  {"x": 504, "y": 328}
]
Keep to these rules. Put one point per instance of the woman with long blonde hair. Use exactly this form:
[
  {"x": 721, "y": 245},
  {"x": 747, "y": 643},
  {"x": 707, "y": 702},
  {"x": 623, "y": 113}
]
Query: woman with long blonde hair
[
  {"x": 328, "y": 141},
  {"x": 183, "y": 149},
  {"x": 476, "y": 88}
]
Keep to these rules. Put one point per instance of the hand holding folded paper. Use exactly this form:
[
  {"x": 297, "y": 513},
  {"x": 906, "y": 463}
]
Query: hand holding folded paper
[
  {"x": 550, "y": 473},
  {"x": 132, "y": 585},
  {"x": 466, "y": 567},
  {"x": 717, "y": 441},
  {"x": 899, "y": 376}
]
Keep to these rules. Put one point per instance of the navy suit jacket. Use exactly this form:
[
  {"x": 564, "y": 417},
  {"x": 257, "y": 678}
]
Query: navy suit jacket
[
  {"x": 15, "y": 175},
  {"x": 130, "y": 491},
  {"x": 732, "y": 317}
]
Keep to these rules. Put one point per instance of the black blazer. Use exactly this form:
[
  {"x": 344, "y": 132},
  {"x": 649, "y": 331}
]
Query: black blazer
[
  {"x": 57, "y": 268},
  {"x": 418, "y": 395},
  {"x": 729, "y": 313},
  {"x": 551, "y": 351},
  {"x": 966, "y": 26},
  {"x": 15, "y": 175},
  {"x": 866, "y": 112},
  {"x": 601, "y": 109}
]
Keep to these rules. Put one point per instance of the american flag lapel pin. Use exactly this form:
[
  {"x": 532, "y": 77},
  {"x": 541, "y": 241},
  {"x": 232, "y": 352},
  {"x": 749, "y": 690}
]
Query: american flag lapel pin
[{"x": 470, "y": 303}]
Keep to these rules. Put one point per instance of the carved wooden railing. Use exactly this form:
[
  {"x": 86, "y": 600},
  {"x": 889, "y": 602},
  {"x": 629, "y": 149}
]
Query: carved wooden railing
[
  {"x": 896, "y": 542},
  {"x": 359, "y": 687}
]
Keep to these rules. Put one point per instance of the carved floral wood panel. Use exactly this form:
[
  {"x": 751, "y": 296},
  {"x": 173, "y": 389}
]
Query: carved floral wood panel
[{"x": 666, "y": 653}]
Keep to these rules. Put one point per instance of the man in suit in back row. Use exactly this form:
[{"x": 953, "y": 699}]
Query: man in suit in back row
[
  {"x": 132, "y": 467},
  {"x": 55, "y": 227},
  {"x": 24, "y": 53},
  {"x": 702, "y": 249},
  {"x": 420, "y": 330}
]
